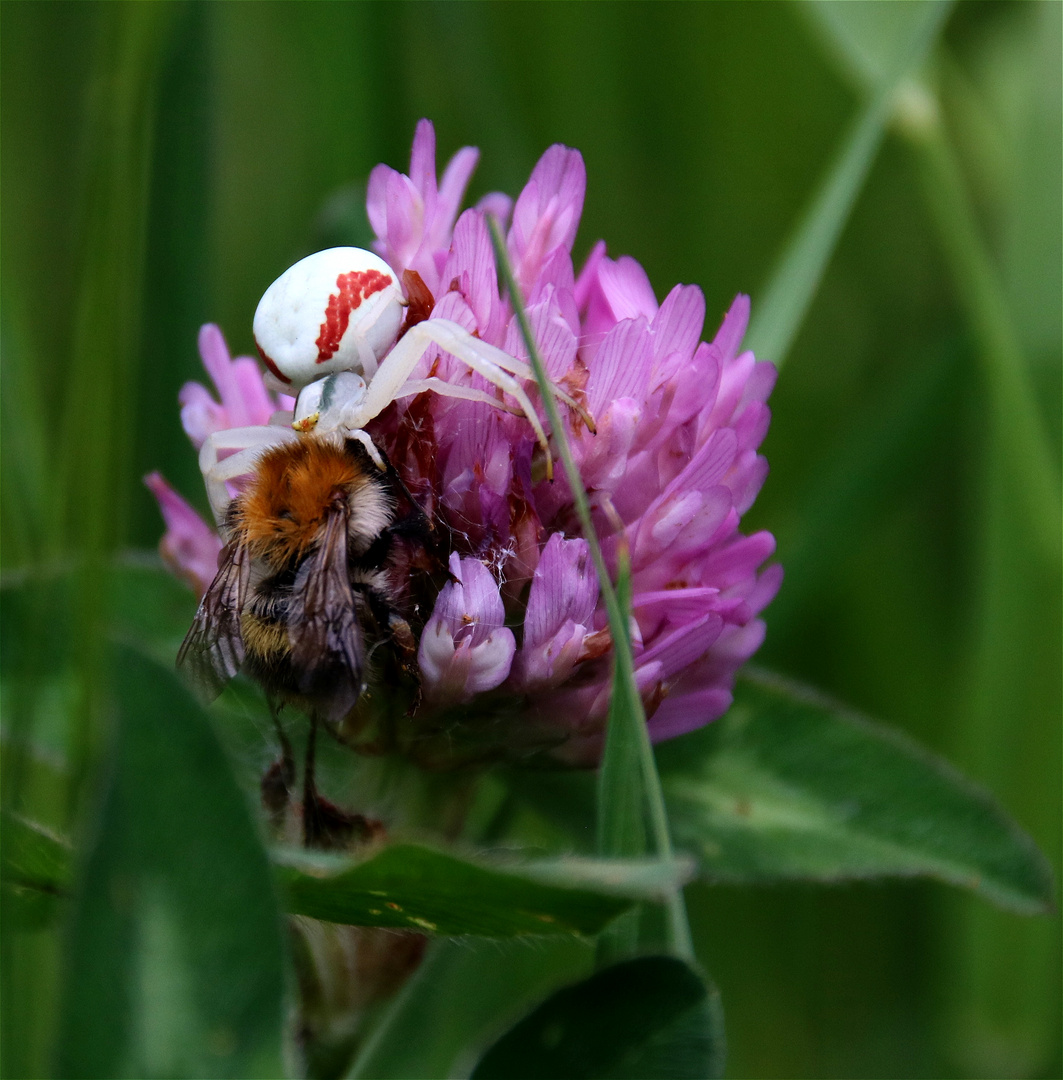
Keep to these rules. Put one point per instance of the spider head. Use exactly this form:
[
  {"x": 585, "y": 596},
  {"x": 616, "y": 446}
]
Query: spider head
[
  {"x": 335, "y": 310},
  {"x": 329, "y": 403}
]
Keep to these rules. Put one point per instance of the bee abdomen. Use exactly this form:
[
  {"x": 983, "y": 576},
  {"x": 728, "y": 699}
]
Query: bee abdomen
[{"x": 264, "y": 640}]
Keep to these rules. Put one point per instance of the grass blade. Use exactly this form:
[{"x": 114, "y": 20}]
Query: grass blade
[
  {"x": 780, "y": 310},
  {"x": 95, "y": 436},
  {"x": 626, "y": 724},
  {"x": 1014, "y": 420}
]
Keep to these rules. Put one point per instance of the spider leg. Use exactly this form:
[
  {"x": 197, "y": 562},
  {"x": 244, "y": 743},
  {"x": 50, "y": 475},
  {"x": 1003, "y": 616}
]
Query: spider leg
[
  {"x": 445, "y": 389},
  {"x": 249, "y": 443},
  {"x": 371, "y": 448},
  {"x": 452, "y": 337},
  {"x": 396, "y": 367}
]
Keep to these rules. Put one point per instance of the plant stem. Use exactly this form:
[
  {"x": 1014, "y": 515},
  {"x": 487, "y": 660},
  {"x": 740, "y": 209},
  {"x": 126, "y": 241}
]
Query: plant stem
[
  {"x": 781, "y": 309},
  {"x": 679, "y": 929},
  {"x": 1010, "y": 399}
]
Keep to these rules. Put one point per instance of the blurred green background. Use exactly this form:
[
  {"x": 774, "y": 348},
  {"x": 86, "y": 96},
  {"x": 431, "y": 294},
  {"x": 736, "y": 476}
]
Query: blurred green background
[{"x": 164, "y": 162}]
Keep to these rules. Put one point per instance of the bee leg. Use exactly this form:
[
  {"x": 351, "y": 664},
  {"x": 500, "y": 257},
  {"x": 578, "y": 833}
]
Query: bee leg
[
  {"x": 279, "y": 779},
  {"x": 416, "y": 525},
  {"x": 397, "y": 480},
  {"x": 325, "y": 825},
  {"x": 287, "y": 758},
  {"x": 311, "y": 820}
]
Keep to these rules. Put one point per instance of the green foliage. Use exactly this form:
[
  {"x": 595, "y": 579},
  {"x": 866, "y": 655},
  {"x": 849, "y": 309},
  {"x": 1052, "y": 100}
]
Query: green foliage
[
  {"x": 175, "y": 964},
  {"x": 464, "y": 994},
  {"x": 403, "y": 886},
  {"x": 792, "y": 786},
  {"x": 32, "y": 856},
  {"x": 165, "y": 161},
  {"x": 789, "y": 786},
  {"x": 34, "y": 871},
  {"x": 793, "y": 284},
  {"x": 652, "y": 1016},
  {"x": 411, "y": 887}
]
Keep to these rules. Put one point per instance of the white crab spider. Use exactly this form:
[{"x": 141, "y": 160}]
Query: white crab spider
[{"x": 327, "y": 328}]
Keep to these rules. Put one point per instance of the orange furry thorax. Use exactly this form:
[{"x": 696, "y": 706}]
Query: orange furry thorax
[{"x": 281, "y": 513}]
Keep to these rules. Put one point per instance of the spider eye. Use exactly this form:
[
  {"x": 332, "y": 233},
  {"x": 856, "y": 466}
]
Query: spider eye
[{"x": 335, "y": 310}]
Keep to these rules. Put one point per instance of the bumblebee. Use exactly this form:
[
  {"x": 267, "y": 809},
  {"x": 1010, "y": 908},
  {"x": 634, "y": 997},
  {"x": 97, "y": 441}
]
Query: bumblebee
[{"x": 306, "y": 593}]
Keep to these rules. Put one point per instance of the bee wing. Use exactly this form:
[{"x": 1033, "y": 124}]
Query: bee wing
[
  {"x": 213, "y": 649},
  {"x": 323, "y": 629}
]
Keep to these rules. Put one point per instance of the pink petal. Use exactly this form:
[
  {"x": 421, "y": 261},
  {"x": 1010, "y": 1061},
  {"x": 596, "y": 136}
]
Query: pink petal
[
  {"x": 747, "y": 483},
  {"x": 627, "y": 288},
  {"x": 555, "y": 275},
  {"x": 680, "y": 648},
  {"x": 739, "y": 560},
  {"x": 490, "y": 661},
  {"x": 588, "y": 276},
  {"x": 708, "y": 466},
  {"x": 201, "y": 415},
  {"x": 737, "y": 644},
  {"x": 452, "y": 306},
  {"x": 456, "y": 178},
  {"x": 680, "y": 605},
  {"x": 752, "y": 425},
  {"x": 498, "y": 206},
  {"x": 472, "y": 262},
  {"x": 252, "y": 405},
  {"x": 564, "y": 587},
  {"x": 553, "y": 335},
  {"x": 621, "y": 367},
  {"x": 734, "y": 375},
  {"x": 603, "y": 458},
  {"x": 465, "y": 649},
  {"x": 761, "y": 382},
  {"x": 376, "y": 203},
  {"x": 733, "y": 328},
  {"x": 766, "y": 589},
  {"x": 405, "y": 218},
  {"x": 678, "y": 324},
  {"x": 470, "y": 606},
  {"x": 216, "y": 359},
  {"x": 547, "y": 212},
  {"x": 190, "y": 547},
  {"x": 688, "y": 712},
  {"x": 423, "y": 159}
]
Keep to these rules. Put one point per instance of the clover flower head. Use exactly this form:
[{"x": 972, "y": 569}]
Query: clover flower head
[{"x": 673, "y": 467}]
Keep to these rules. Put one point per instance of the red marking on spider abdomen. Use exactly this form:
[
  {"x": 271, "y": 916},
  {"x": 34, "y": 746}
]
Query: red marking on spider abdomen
[
  {"x": 272, "y": 366},
  {"x": 354, "y": 287}
]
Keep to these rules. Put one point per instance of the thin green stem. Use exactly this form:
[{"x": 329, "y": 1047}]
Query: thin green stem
[
  {"x": 781, "y": 309},
  {"x": 79, "y": 514},
  {"x": 1011, "y": 403},
  {"x": 679, "y": 929}
]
